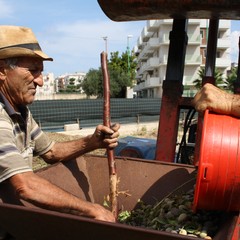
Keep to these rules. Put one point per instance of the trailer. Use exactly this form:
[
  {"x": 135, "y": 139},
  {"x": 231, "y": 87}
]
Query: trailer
[{"x": 147, "y": 180}]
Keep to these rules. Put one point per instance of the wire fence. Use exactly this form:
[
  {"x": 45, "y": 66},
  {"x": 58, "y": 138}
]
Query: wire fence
[{"x": 52, "y": 115}]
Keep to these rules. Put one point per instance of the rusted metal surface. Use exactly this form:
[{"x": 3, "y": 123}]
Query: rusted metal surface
[
  {"x": 107, "y": 122},
  {"x": 146, "y": 180},
  {"x": 55, "y": 226},
  {"x": 172, "y": 92},
  {"x": 132, "y": 10}
]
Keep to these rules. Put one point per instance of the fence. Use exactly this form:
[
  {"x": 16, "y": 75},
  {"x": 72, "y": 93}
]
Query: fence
[{"x": 51, "y": 115}]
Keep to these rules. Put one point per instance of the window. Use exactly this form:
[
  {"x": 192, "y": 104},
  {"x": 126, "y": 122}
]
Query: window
[
  {"x": 218, "y": 54},
  {"x": 205, "y": 52}
]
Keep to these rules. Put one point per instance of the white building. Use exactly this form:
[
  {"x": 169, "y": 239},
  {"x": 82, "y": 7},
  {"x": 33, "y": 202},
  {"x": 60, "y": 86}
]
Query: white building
[
  {"x": 152, "y": 53},
  {"x": 51, "y": 87},
  {"x": 48, "y": 88},
  {"x": 69, "y": 79}
]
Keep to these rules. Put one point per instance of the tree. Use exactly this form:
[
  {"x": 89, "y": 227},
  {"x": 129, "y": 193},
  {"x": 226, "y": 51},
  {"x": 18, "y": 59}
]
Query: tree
[
  {"x": 71, "y": 87},
  {"x": 91, "y": 84},
  {"x": 219, "y": 81},
  {"x": 231, "y": 79},
  {"x": 120, "y": 75}
]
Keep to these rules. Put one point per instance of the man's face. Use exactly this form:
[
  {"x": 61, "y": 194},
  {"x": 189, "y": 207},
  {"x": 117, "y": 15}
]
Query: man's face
[{"x": 22, "y": 80}]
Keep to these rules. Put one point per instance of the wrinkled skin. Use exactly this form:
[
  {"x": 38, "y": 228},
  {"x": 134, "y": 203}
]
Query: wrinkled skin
[
  {"x": 216, "y": 100},
  {"x": 18, "y": 85}
]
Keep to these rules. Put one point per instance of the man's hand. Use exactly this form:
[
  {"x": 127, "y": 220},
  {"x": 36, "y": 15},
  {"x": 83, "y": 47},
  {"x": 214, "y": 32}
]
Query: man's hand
[
  {"x": 212, "y": 98},
  {"x": 105, "y": 137},
  {"x": 102, "y": 214}
]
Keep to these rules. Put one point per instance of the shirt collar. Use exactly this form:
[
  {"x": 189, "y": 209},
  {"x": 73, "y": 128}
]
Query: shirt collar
[{"x": 9, "y": 109}]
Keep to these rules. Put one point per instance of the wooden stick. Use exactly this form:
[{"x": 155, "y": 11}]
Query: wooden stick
[{"x": 107, "y": 122}]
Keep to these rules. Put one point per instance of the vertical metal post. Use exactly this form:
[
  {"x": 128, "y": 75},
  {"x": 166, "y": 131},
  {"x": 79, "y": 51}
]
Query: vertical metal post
[
  {"x": 128, "y": 54},
  {"x": 209, "y": 76},
  {"x": 106, "y": 43},
  {"x": 211, "y": 52},
  {"x": 172, "y": 92}
]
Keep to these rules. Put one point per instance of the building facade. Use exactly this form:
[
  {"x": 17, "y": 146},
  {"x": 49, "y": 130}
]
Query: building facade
[
  {"x": 152, "y": 54},
  {"x": 56, "y": 88},
  {"x": 48, "y": 88},
  {"x": 70, "y": 82}
]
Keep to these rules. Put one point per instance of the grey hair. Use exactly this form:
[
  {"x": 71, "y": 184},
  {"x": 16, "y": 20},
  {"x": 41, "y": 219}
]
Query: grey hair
[{"x": 11, "y": 62}]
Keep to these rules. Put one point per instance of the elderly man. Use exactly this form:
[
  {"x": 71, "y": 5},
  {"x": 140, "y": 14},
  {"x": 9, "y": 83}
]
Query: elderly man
[
  {"x": 21, "y": 66},
  {"x": 217, "y": 100}
]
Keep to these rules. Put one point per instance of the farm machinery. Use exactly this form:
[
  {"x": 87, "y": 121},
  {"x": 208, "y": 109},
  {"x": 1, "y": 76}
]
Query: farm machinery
[{"x": 143, "y": 179}]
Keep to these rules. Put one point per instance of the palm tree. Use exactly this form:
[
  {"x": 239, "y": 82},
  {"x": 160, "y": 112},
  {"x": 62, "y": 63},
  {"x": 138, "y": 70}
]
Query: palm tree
[
  {"x": 231, "y": 79},
  {"x": 198, "y": 82},
  {"x": 219, "y": 81}
]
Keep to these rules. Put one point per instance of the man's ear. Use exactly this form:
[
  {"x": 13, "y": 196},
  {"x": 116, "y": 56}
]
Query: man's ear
[{"x": 2, "y": 70}]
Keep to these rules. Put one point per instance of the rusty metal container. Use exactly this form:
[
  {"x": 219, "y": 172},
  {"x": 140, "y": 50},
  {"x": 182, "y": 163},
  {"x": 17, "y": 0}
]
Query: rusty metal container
[
  {"x": 132, "y": 10},
  {"x": 87, "y": 177}
]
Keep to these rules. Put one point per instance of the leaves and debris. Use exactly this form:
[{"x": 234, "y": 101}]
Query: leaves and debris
[{"x": 174, "y": 214}]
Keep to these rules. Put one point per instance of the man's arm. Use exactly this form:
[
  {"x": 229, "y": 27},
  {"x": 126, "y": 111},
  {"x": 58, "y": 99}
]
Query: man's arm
[
  {"x": 40, "y": 192},
  {"x": 216, "y": 100},
  {"x": 103, "y": 137}
]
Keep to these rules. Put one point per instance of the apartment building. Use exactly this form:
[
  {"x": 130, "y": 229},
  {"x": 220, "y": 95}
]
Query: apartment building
[
  {"x": 48, "y": 88},
  {"x": 152, "y": 53},
  {"x": 74, "y": 79}
]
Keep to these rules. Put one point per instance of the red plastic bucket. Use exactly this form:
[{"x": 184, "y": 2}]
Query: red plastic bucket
[{"x": 218, "y": 178}]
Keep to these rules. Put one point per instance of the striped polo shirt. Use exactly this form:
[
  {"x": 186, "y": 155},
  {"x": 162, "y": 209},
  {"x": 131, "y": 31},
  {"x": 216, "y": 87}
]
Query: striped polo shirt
[{"x": 20, "y": 139}]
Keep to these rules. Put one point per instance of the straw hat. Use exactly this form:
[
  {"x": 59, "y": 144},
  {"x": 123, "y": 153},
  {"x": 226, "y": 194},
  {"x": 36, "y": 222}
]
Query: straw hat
[{"x": 18, "y": 41}]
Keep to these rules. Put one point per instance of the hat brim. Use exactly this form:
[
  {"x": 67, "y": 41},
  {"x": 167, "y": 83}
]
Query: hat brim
[{"x": 23, "y": 52}]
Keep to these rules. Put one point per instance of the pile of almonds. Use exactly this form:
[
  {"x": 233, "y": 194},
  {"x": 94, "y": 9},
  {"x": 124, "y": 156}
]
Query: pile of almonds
[{"x": 174, "y": 214}]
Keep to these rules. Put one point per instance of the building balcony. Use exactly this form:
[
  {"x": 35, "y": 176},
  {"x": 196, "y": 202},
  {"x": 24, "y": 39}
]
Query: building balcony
[
  {"x": 224, "y": 43},
  {"x": 163, "y": 59},
  {"x": 149, "y": 47},
  {"x": 139, "y": 74},
  {"x": 223, "y": 63},
  {"x": 166, "y": 21},
  {"x": 149, "y": 83},
  {"x": 136, "y": 50},
  {"x": 153, "y": 25},
  {"x": 164, "y": 38},
  {"x": 194, "y": 22},
  {"x": 194, "y": 39},
  {"x": 143, "y": 53},
  {"x": 139, "y": 42},
  {"x": 139, "y": 87},
  {"x": 152, "y": 82},
  {"x": 145, "y": 35},
  {"x": 140, "y": 71},
  {"x": 152, "y": 45},
  {"x": 191, "y": 59},
  {"x": 151, "y": 64},
  {"x": 224, "y": 24}
]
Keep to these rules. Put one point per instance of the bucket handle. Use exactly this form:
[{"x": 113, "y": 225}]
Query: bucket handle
[{"x": 206, "y": 172}]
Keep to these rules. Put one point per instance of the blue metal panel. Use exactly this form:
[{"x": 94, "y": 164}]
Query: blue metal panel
[{"x": 136, "y": 147}]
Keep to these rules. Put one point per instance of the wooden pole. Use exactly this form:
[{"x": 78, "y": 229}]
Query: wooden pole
[{"x": 107, "y": 122}]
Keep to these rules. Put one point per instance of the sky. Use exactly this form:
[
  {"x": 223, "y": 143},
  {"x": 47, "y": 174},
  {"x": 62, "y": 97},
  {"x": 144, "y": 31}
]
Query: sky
[{"x": 72, "y": 31}]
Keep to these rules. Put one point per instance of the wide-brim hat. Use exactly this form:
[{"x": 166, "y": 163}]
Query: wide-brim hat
[{"x": 18, "y": 41}]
